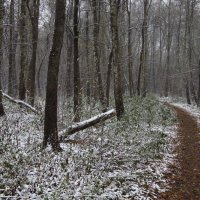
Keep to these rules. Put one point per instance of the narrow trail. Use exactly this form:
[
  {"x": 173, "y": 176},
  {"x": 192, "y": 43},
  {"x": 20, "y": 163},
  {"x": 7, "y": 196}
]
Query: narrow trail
[{"x": 184, "y": 179}]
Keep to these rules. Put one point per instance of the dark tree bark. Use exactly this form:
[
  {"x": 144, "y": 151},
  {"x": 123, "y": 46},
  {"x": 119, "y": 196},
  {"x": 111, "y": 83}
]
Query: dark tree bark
[
  {"x": 99, "y": 83},
  {"x": 190, "y": 15},
  {"x": 34, "y": 17},
  {"x": 142, "y": 82},
  {"x": 69, "y": 49},
  {"x": 109, "y": 71},
  {"x": 169, "y": 40},
  {"x": 22, "y": 89},
  {"x": 77, "y": 89},
  {"x": 87, "y": 60},
  {"x": 1, "y": 52},
  {"x": 187, "y": 92},
  {"x": 198, "y": 96},
  {"x": 116, "y": 66},
  {"x": 12, "y": 79},
  {"x": 50, "y": 123},
  {"x": 1, "y": 103},
  {"x": 130, "y": 70}
]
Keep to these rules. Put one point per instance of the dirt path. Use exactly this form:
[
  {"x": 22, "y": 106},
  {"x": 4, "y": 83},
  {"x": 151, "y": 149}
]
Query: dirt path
[{"x": 185, "y": 177}]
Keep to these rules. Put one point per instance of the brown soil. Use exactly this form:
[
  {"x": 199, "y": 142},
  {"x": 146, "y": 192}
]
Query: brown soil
[{"x": 184, "y": 178}]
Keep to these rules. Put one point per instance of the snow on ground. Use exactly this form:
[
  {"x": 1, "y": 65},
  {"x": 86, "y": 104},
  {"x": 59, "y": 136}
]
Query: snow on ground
[
  {"x": 192, "y": 109},
  {"x": 117, "y": 160}
]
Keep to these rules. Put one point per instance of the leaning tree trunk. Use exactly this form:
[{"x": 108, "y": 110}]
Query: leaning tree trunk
[
  {"x": 77, "y": 85},
  {"x": 116, "y": 66},
  {"x": 22, "y": 89},
  {"x": 34, "y": 16},
  {"x": 50, "y": 122},
  {"x": 1, "y": 53}
]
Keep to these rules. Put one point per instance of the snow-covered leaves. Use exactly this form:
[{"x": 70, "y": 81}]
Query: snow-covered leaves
[{"x": 117, "y": 160}]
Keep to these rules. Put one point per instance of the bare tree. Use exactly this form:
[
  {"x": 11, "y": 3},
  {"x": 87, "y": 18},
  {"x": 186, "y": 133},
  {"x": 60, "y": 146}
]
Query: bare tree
[
  {"x": 22, "y": 89},
  {"x": 12, "y": 80},
  {"x": 114, "y": 6},
  {"x": 69, "y": 49},
  {"x": 34, "y": 17},
  {"x": 142, "y": 82},
  {"x": 87, "y": 60},
  {"x": 130, "y": 70},
  {"x": 77, "y": 89},
  {"x": 169, "y": 41},
  {"x": 50, "y": 123},
  {"x": 1, "y": 52},
  {"x": 96, "y": 21}
]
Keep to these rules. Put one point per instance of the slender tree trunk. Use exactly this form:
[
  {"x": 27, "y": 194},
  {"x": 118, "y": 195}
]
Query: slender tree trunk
[
  {"x": 50, "y": 122},
  {"x": 190, "y": 15},
  {"x": 87, "y": 60},
  {"x": 34, "y": 16},
  {"x": 142, "y": 79},
  {"x": 77, "y": 86},
  {"x": 168, "y": 51},
  {"x": 12, "y": 80},
  {"x": 116, "y": 66},
  {"x": 69, "y": 50},
  {"x": 22, "y": 89},
  {"x": 108, "y": 78},
  {"x": 160, "y": 49},
  {"x": 153, "y": 74},
  {"x": 198, "y": 97},
  {"x": 1, "y": 52},
  {"x": 130, "y": 70},
  {"x": 187, "y": 91},
  {"x": 96, "y": 54}
]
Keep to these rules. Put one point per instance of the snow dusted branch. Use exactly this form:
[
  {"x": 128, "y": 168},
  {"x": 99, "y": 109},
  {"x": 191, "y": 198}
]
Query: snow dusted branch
[
  {"x": 85, "y": 124},
  {"x": 20, "y": 102}
]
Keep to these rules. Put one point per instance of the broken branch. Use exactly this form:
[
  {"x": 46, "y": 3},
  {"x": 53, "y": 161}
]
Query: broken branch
[
  {"x": 85, "y": 124},
  {"x": 20, "y": 102}
]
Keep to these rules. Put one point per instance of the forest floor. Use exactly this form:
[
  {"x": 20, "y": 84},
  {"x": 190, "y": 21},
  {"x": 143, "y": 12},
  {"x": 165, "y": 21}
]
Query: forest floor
[{"x": 184, "y": 178}]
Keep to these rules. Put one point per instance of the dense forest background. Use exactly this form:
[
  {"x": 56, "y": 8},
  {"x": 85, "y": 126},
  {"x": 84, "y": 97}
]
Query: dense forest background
[{"x": 99, "y": 50}]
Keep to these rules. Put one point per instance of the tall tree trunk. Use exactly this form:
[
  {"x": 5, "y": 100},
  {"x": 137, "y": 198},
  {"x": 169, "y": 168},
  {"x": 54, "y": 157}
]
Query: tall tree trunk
[
  {"x": 142, "y": 79},
  {"x": 108, "y": 78},
  {"x": 50, "y": 122},
  {"x": 22, "y": 89},
  {"x": 116, "y": 66},
  {"x": 166, "y": 91},
  {"x": 160, "y": 49},
  {"x": 1, "y": 53},
  {"x": 77, "y": 85},
  {"x": 190, "y": 16},
  {"x": 99, "y": 83},
  {"x": 187, "y": 91},
  {"x": 198, "y": 97},
  {"x": 69, "y": 50},
  {"x": 34, "y": 17},
  {"x": 130, "y": 70},
  {"x": 88, "y": 92},
  {"x": 12, "y": 79}
]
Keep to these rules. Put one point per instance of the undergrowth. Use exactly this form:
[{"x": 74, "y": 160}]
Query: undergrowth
[{"x": 116, "y": 160}]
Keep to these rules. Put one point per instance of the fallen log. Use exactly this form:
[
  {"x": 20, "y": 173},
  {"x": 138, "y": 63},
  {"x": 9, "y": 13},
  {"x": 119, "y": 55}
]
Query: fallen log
[
  {"x": 86, "y": 124},
  {"x": 20, "y": 102}
]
